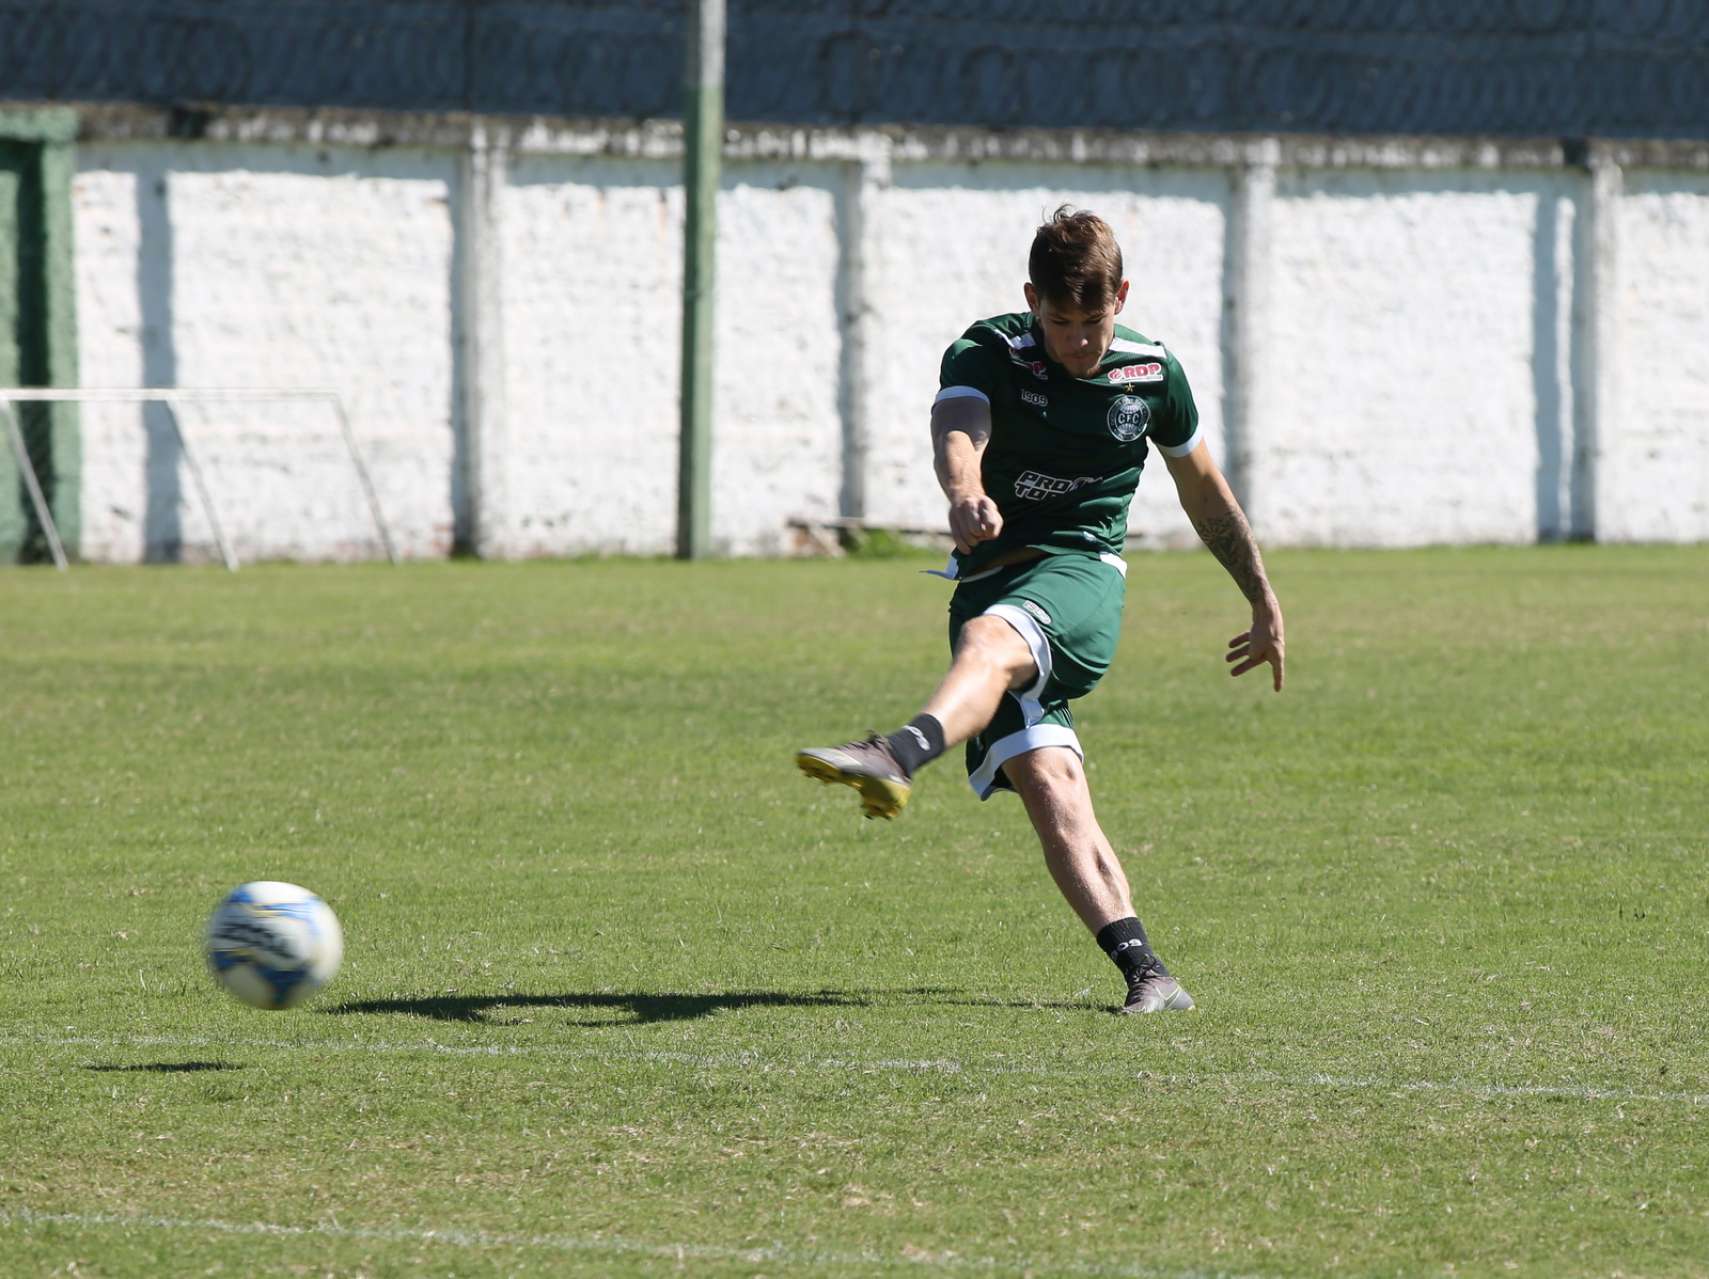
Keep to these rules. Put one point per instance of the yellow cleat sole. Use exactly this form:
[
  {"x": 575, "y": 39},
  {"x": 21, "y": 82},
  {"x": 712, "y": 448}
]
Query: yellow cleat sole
[{"x": 878, "y": 797}]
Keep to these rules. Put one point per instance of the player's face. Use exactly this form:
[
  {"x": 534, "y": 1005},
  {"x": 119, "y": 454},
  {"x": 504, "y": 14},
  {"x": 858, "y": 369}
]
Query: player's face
[{"x": 1074, "y": 338}]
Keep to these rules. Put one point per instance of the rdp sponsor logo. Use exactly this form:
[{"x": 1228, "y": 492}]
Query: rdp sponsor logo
[{"x": 1137, "y": 373}]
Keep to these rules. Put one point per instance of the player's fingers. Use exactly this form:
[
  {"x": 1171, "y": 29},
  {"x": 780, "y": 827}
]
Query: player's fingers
[
  {"x": 1247, "y": 665},
  {"x": 1242, "y": 638},
  {"x": 1237, "y": 654},
  {"x": 1276, "y": 661},
  {"x": 959, "y": 530}
]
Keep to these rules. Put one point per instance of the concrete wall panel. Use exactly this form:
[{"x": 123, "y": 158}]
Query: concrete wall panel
[
  {"x": 1412, "y": 327},
  {"x": 228, "y": 265},
  {"x": 592, "y": 254},
  {"x": 778, "y": 448},
  {"x": 592, "y": 279},
  {"x": 1414, "y": 374},
  {"x": 1655, "y": 465}
]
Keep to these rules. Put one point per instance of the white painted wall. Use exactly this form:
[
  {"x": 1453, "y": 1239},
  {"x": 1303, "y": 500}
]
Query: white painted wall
[
  {"x": 1655, "y": 464},
  {"x": 1412, "y": 379},
  {"x": 223, "y": 265},
  {"x": 592, "y": 278},
  {"x": 590, "y": 281}
]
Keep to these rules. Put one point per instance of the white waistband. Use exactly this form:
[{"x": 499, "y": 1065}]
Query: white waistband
[{"x": 948, "y": 572}]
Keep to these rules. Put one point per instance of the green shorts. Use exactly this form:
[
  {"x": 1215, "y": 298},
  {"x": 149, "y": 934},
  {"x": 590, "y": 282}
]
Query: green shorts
[{"x": 1068, "y": 608}]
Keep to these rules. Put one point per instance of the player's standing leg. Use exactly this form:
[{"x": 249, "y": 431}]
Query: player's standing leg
[{"x": 1052, "y": 785}]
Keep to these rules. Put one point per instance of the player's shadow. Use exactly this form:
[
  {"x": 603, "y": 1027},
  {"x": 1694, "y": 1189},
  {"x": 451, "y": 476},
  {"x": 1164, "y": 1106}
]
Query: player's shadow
[
  {"x": 961, "y": 999},
  {"x": 649, "y": 1007},
  {"x": 165, "y": 1067},
  {"x": 652, "y": 1007}
]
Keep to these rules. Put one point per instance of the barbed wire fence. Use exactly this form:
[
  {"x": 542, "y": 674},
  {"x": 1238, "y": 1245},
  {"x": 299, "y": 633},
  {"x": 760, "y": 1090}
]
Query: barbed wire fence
[{"x": 1614, "y": 68}]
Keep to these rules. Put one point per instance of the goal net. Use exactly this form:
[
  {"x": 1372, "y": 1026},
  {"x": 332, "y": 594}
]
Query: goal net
[{"x": 198, "y": 473}]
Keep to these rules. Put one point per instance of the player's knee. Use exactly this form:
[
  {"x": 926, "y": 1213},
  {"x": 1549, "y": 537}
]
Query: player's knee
[
  {"x": 1060, "y": 770},
  {"x": 1052, "y": 772}
]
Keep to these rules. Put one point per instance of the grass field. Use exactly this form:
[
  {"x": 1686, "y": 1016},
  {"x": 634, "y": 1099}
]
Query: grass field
[{"x": 624, "y": 994}]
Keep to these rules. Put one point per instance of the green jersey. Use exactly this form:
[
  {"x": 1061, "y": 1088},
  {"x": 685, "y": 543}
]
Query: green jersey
[{"x": 1066, "y": 452}]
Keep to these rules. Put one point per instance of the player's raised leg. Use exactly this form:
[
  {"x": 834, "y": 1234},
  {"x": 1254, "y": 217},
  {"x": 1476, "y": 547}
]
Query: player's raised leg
[
  {"x": 990, "y": 659},
  {"x": 1052, "y": 784}
]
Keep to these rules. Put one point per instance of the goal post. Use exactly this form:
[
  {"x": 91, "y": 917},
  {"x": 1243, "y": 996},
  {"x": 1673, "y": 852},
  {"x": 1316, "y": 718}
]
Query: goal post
[
  {"x": 33, "y": 487},
  {"x": 173, "y": 398}
]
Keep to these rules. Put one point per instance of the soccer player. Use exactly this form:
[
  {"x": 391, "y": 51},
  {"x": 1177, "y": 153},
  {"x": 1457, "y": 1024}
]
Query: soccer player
[{"x": 1039, "y": 434}]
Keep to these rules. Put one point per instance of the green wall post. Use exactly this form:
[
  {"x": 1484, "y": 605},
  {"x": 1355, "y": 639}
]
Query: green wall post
[
  {"x": 703, "y": 147},
  {"x": 38, "y": 322}
]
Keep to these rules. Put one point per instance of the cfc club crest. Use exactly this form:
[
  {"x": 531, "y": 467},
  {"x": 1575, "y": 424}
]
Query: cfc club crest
[{"x": 1128, "y": 417}]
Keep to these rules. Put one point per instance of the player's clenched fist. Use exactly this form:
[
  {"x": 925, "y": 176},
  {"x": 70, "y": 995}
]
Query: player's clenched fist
[{"x": 973, "y": 520}]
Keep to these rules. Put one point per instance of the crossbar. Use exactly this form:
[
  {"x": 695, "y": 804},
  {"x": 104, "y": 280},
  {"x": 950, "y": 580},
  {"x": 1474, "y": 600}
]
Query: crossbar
[{"x": 141, "y": 395}]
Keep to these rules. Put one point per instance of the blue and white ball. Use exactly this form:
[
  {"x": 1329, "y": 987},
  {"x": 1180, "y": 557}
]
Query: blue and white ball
[{"x": 273, "y": 945}]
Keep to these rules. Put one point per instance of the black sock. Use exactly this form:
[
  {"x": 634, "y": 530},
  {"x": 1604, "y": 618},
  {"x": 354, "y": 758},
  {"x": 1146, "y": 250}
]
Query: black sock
[
  {"x": 919, "y": 741},
  {"x": 1125, "y": 943}
]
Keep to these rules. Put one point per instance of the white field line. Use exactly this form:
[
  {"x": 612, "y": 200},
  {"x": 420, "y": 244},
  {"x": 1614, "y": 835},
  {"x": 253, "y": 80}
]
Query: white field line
[
  {"x": 762, "y": 1064},
  {"x": 608, "y": 1245}
]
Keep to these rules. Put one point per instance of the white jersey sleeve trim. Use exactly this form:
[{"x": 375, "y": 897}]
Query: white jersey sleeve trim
[
  {"x": 1181, "y": 450},
  {"x": 961, "y": 393},
  {"x": 1157, "y": 352},
  {"x": 1004, "y": 749}
]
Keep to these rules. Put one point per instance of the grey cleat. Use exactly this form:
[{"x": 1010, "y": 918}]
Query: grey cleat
[
  {"x": 868, "y": 766},
  {"x": 1153, "y": 990}
]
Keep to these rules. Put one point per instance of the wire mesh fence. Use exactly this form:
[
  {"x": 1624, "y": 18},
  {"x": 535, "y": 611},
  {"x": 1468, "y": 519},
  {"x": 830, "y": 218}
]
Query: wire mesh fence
[{"x": 1539, "y": 67}]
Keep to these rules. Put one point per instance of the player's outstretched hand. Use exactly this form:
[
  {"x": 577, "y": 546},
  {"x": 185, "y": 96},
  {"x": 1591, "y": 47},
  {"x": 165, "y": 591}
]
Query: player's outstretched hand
[
  {"x": 973, "y": 520},
  {"x": 1261, "y": 644}
]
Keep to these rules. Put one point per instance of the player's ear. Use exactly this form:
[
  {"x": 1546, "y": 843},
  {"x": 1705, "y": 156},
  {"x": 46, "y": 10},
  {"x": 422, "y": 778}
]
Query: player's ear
[
  {"x": 1032, "y": 297},
  {"x": 1121, "y": 296}
]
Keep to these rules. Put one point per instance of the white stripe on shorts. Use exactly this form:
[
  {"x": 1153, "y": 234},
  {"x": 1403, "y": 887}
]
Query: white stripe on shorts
[
  {"x": 1004, "y": 749},
  {"x": 1026, "y": 625}
]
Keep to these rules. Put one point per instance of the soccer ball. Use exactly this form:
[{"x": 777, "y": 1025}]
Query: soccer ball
[{"x": 273, "y": 945}]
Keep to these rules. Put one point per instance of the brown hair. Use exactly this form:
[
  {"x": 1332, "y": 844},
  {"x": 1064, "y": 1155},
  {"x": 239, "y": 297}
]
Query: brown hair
[{"x": 1075, "y": 260}]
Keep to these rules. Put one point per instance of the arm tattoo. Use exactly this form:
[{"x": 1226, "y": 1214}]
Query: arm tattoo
[{"x": 1229, "y": 538}]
